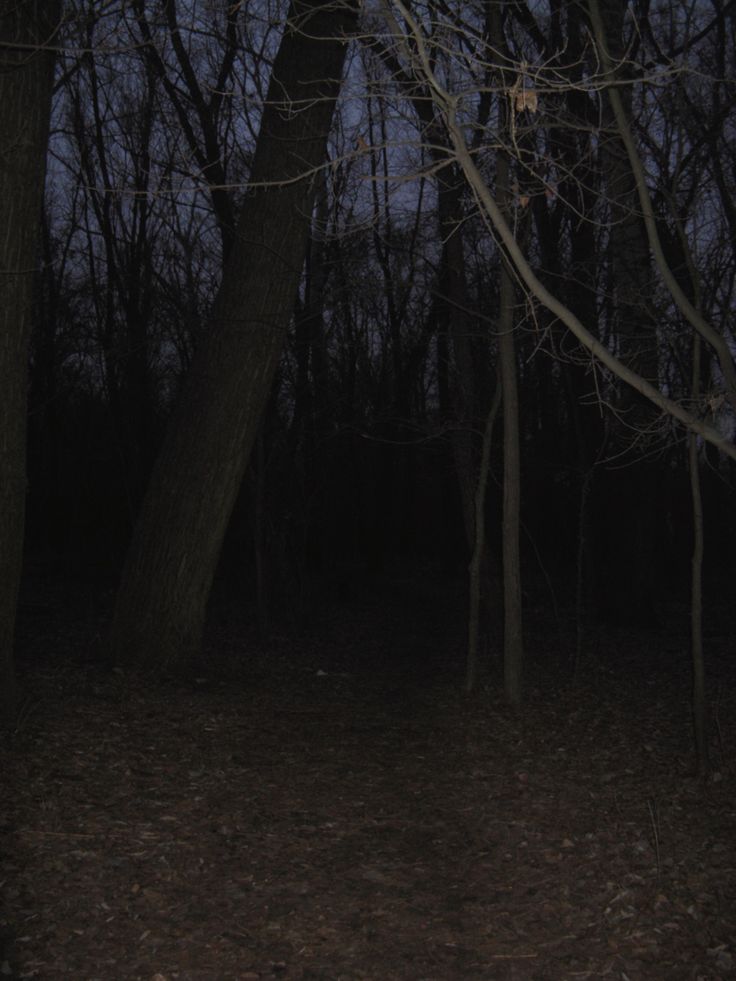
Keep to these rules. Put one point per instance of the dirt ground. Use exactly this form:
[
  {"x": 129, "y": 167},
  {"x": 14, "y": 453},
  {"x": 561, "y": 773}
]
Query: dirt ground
[{"x": 330, "y": 805}]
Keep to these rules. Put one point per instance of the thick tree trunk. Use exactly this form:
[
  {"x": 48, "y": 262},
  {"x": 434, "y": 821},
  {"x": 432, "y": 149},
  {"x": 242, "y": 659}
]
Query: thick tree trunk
[
  {"x": 26, "y": 78},
  {"x": 168, "y": 573}
]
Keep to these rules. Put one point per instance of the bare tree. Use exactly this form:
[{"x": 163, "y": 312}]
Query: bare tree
[
  {"x": 428, "y": 39},
  {"x": 199, "y": 102},
  {"x": 112, "y": 124},
  {"x": 451, "y": 105},
  {"x": 27, "y": 34},
  {"x": 166, "y": 581}
]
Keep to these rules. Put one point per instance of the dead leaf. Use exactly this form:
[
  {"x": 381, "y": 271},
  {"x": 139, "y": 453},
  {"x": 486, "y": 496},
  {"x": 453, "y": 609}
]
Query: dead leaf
[{"x": 526, "y": 99}]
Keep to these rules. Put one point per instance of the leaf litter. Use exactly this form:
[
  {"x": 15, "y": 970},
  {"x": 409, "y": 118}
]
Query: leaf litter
[{"x": 331, "y": 806}]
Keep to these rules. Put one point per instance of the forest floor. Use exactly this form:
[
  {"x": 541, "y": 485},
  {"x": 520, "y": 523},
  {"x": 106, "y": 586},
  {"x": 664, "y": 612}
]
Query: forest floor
[{"x": 330, "y": 805}]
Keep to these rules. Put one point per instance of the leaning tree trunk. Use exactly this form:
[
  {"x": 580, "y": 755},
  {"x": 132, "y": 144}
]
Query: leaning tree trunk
[
  {"x": 161, "y": 602},
  {"x": 26, "y": 78}
]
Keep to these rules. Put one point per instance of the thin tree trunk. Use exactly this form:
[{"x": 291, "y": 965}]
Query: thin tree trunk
[
  {"x": 453, "y": 304},
  {"x": 513, "y": 639},
  {"x": 26, "y": 78},
  {"x": 168, "y": 574},
  {"x": 699, "y": 704},
  {"x": 513, "y": 634},
  {"x": 696, "y": 588},
  {"x": 479, "y": 548},
  {"x": 260, "y": 544},
  {"x": 627, "y": 582}
]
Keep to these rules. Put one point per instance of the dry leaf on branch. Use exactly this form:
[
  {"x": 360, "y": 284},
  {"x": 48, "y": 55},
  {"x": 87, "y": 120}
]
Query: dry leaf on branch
[{"x": 526, "y": 99}]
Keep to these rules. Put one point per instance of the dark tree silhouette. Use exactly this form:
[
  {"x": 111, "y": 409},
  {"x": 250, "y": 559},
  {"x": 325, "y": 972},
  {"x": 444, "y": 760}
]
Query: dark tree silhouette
[
  {"x": 27, "y": 28},
  {"x": 168, "y": 573}
]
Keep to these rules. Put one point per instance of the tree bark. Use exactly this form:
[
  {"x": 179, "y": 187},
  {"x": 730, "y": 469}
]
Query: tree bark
[
  {"x": 26, "y": 79},
  {"x": 170, "y": 566}
]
